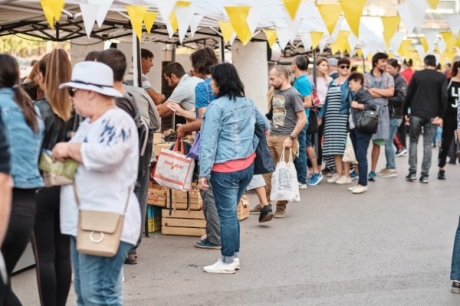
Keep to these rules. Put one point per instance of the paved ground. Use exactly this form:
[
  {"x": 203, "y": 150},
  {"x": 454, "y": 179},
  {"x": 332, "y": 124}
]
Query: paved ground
[{"x": 390, "y": 246}]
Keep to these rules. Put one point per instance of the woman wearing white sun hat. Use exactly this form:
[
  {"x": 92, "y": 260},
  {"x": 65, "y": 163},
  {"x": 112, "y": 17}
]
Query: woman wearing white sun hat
[{"x": 106, "y": 147}]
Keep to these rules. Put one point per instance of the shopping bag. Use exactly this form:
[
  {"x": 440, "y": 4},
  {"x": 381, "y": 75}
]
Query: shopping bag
[
  {"x": 174, "y": 170},
  {"x": 195, "y": 150},
  {"x": 284, "y": 181},
  {"x": 349, "y": 154}
]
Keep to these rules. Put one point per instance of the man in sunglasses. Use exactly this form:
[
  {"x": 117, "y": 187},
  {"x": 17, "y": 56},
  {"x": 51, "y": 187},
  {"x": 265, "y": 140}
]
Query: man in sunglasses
[{"x": 381, "y": 86}]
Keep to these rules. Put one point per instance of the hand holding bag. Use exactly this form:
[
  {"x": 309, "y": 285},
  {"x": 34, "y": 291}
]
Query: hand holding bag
[
  {"x": 349, "y": 154},
  {"x": 99, "y": 232},
  {"x": 56, "y": 173},
  {"x": 284, "y": 181}
]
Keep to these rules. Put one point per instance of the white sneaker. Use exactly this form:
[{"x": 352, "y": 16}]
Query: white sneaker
[
  {"x": 220, "y": 268},
  {"x": 343, "y": 180},
  {"x": 236, "y": 262},
  {"x": 334, "y": 178},
  {"x": 389, "y": 173},
  {"x": 352, "y": 188},
  {"x": 359, "y": 189},
  {"x": 303, "y": 186}
]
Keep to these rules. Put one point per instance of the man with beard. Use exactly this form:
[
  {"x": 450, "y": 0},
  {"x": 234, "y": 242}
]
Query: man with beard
[
  {"x": 287, "y": 121},
  {"x": 381, "y": 87}
]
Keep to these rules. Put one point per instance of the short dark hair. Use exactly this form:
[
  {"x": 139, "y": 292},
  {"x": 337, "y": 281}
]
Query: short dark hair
[
  {"x": 174, "y": 68},
  {"x": 226, "y": 78},
  {"x": 116, "y": 60},
  {"x": 394, "y": 63},
  {"x": 301, "y": 62},
  {"x": 91, "y": 56},
  {"x": 430, "y": 60},
  {"x": 281, "y": 70},
  {"x": 455, "y": 67},
  {"x": 146, "y": 54},
  {"x": 357, "y": 76},
  {"x": 378, "y": 56},
  {"x": 343, "y": 60},
  {"x": 203, "y": 60}
]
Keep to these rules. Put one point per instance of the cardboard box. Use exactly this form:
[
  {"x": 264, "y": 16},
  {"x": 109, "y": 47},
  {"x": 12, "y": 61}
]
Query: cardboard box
[
  {"x": 183, "y": 223},
  {"x": 243, "y": 208}
]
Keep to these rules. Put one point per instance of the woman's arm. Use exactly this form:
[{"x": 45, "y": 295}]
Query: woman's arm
[{"x": 210, "y": 130}]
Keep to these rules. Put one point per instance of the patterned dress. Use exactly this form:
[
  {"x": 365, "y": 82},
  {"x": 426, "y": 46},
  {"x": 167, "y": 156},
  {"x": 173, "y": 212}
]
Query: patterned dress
[{"x": 335, "y": 130}]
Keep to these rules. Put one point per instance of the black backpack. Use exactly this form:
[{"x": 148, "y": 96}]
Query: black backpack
[{"x": 145, "y": 132}]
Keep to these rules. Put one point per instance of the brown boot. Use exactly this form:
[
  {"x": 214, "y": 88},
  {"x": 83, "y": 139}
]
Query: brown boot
[{"x": 280, "y": 210}]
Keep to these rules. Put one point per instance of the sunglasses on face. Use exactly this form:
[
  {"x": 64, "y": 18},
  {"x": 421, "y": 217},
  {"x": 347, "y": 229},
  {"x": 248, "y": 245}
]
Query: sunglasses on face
[
  {"x": 344, "y": 67},
  {"x": 72, "y": 91}
]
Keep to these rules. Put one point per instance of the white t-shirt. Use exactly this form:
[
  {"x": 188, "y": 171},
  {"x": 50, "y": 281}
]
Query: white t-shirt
[
  {"x": 184, "y": 93},
  {"x": 110, "y": 160}
]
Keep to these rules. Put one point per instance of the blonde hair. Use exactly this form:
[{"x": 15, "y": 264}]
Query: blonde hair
[{"x": 56, "y": 69}]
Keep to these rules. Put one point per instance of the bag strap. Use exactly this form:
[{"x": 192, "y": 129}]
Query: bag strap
[
  {"x": 282, "y": 154},
  {"x": 77, "y": 198},
  {"x": 188, "y": 200},
  {"x": 170, "y": 202}
]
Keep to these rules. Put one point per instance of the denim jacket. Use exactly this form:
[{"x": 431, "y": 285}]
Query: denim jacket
[
  {"x": 346, "y": 102},
  {"x": 24, "y": 143},
  {"x": 227, "y": 132}
]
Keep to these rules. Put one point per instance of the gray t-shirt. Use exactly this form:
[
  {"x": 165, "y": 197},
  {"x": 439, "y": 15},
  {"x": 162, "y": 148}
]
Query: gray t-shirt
[
  {"x": 184, "y": 93},
  {"x": 128, "y": 80},
  {"x": 385, "y": 81},
  {"x": 286, "y": 104}
]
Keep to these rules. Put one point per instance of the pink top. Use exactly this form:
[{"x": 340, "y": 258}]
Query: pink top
[{"x": 234, "y": 165}]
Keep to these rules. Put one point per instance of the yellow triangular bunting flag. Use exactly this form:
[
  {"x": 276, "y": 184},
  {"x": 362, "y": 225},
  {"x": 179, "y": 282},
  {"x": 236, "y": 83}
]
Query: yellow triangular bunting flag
[
  {"x": 353, "y": 10},
  {"x": 316, "y": 38},
  {"x": 271, "y": 37},
  {"x": 390, "y": 26},
  {"x": 149, "y": 20},
  {"x": 52, "y": 10},
  {"x": 173, "y": 21},
  {"x": 291, "y": 7},
  {"x": 449, "y": 39},
  {"x": 227, "y": 30},
  {"x": 405, "y": 49},
  {"x": 433, "y": 3},
  {"x": 182, "y": 4},
  {"x": 424, "y": 43},
  {"x": 359, "y": 53},
  {"x": 330, "y": 14},
  {"x": 238, "y": 16},
  {"x": 342, "y": 41},
  {"x": 136, "y": 16}
]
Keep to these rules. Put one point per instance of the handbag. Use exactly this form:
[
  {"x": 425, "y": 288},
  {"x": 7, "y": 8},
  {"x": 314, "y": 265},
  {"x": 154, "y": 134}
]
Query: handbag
[
  {"x": 99, "y": 232},
  {"x": 263, "y": 163},
  {"x": 57, "y": 173},
  {"x": 349, "y": 153},
  {"x": 174, "y": 169},
  {"x": 195, "y": 150},
  {"x": 368, "y": 121},
  {"x": 313, "y": 127}
]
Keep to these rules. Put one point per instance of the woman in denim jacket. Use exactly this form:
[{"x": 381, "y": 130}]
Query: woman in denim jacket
[
  {"x": 227, "y": 153},
  {"x": 24, "y": 132}
]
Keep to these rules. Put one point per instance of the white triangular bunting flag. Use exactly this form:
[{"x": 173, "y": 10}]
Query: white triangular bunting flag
[
  {"x": 396, "y": 41},
  {"x": 406, "y": 17},
  {"x": 454, "y": 23},
  {"x": 417, "y": 9},
  {"x": 420, "y": 50},
  {"x": 431, "y": 38},
  {"x": 338, "y": 27},
  {"x": 184, "y": 18},
  {"x": 366, "y": 51},
  {"x": 441, "y": 45},
  {"x": 322, "y": 45},
  {"x": 165, "y": 7},
  {"x": 352, "y": 41},
  {"x": 306, "y": 40},
  {"x": 89, "y": 14},
  {"x": 283, "y": 37},
  {"x": 253, "y": 19},
  {"x": 232, "y": 39},
  {"x": 103, "y": 9},
  {"x": 194, "y": 24}
]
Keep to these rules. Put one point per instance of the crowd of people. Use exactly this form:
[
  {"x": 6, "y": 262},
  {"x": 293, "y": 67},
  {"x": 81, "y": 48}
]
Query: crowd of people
[{"x": 92, "y": 114}]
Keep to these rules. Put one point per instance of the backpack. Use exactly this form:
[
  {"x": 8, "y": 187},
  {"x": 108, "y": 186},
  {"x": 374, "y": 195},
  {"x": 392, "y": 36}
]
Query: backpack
[{"x": 145, "y": 133}]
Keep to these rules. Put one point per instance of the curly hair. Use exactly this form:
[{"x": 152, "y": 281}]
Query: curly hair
[{"x": 203, "y": 60}]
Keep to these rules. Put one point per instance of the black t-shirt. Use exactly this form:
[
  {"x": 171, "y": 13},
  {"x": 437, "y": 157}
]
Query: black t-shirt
[
  {"x": 4, "y": 151},
  {"x": 453, "y": 93}
]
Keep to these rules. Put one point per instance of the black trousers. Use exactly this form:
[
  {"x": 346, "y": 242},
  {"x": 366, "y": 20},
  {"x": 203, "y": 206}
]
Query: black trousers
[
  {"x": 401, "y": 133},
  {"x": 52, "y": 250},
  {"x": 448, "y": 132},
  {"x": 17, "y": 237}
]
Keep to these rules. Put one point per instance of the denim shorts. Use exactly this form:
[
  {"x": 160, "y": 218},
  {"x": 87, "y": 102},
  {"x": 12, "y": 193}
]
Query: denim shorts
[{"x": 309, "y": 141}]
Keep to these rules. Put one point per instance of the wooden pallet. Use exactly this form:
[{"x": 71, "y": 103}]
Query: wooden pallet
[{"x": 183, "y": 223}]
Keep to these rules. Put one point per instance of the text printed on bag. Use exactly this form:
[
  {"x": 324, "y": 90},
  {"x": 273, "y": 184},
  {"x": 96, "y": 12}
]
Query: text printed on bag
[{"x": 173, "y": 165}]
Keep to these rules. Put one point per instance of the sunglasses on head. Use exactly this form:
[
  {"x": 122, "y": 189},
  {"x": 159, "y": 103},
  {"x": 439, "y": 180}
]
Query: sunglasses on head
[
  {"x": 344, "y": 67},
  {"x": 72, "y": 91}
]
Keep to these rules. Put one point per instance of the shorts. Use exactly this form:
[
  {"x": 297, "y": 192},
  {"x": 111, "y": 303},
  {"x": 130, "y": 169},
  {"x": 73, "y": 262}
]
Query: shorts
[
  {"x": 309, "y": 141},
  {"x": 256, "y": 182},
  {"x": 378, "y": 142}
]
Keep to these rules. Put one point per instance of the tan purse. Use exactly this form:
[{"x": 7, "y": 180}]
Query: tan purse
[{"x": 99, "y": 232}]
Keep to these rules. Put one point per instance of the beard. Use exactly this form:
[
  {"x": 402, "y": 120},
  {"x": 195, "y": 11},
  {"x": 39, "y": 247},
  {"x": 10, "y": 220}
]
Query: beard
[{"x": 277, "y": 87}]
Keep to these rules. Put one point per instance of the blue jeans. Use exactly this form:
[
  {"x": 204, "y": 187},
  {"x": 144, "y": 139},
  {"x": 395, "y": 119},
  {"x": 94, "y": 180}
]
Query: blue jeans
[
  {"x": 455, "y": 266},
  {"x": 98, "y": 280},
  {"x": 360, "y": 143},
  {"x": 228, "y": 189},
  {"x": 301, "y": 161},
  {"x": 390, "y": 153},
  {"x": 416, "y": 124}
]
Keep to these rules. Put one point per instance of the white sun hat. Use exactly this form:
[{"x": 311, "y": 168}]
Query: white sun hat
[{"x": 94, "y": 76}]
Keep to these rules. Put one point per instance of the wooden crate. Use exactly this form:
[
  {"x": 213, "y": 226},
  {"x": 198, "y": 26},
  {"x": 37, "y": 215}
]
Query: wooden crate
[
  {"x": 179, "y": 200},
  {"x": 183, "y": 223},
  {"x": 243, "y": 208},
  {"x": 157, "y": 195}
]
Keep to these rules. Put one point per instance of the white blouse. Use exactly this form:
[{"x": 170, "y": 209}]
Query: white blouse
[{"x": 109, "y": 171}]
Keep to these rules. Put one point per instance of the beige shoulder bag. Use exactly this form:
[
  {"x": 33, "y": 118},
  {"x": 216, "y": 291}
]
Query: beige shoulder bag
[{"x": 99, "y": 232}]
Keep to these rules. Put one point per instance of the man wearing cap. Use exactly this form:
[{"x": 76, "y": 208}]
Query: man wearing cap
[
  {"x": 407, "y": 73},
  {"x": 332, "y": 62}
]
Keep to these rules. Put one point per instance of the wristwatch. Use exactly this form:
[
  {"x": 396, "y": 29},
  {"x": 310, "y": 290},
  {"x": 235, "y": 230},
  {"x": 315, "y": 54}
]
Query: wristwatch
[{"x": 291, "y": 137}]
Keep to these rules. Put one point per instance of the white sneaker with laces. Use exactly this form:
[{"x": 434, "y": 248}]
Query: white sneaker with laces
[
  {"x": 343, "y": 180},
  {"x": 352, "y": 188},
  {"x": 236, "y": 262},
  {"x": 303, "y": 186},
  {"x": 359, "y": 189},
  {"x": 220, "y": 268},
  {"x": 334, "y": 178}
]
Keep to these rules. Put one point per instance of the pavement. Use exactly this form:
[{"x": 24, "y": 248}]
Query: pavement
[{"x": 390, "y": 246}]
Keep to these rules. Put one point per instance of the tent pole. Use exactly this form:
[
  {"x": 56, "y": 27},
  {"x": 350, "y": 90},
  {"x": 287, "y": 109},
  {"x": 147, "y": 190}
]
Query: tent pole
[
  {"x": 222, "y": 49},
  {"x": 137, "y": 73}
]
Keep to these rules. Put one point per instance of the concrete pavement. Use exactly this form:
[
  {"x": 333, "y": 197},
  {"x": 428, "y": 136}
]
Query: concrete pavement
[{"x": 389, "y": 246}]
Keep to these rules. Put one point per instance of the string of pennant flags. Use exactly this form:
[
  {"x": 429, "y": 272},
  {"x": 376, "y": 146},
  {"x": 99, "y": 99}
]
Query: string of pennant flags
[{"x": 315, "y": 25}]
